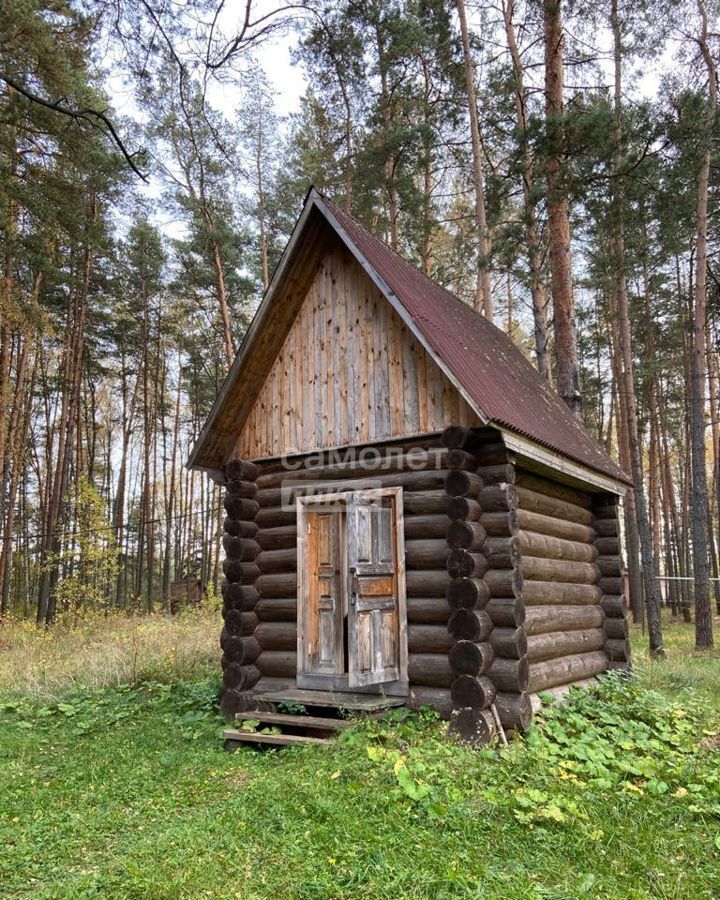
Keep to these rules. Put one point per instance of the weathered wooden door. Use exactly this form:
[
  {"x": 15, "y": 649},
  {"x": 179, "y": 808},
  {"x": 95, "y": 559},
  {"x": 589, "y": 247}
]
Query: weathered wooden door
[
  {"x": 351, "y": 591},
  {"x": 373, "y": 620},
  {"x": 323, "y": 637}
]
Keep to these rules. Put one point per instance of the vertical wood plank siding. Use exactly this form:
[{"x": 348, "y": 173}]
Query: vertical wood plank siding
[{"x": 349, "y": 372}]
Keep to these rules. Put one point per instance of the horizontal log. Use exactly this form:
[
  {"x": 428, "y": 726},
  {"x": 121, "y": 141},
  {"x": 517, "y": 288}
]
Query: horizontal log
[
  {"x": 509, "y": 643},
  {"x": 465, "y": 535},
  {"x": 492, "y": 454},
  {"x": 555, "y": 644},
  {"x": 277, "y": 609},
  {"x": 429, "y": 669},
  {"x": 426, "y": 583},
  {"x": 281, "y": 584},
  {"x": 550, "y": 525},
  {"x": 605, "y": 511},
  {"x": 277, "y": 560},
  {"x": 241, "y": 469},
  {"x": 502, "y": 552},
  {"x": 553, "y": 489},
  {"x": 514, "y": 710},
  {"x": 470, "y": 657},
  {"x": 500, "y": 524},
  {"x": 504, "y": 582},
  {"x": 617, "y": 649},
  {"x": 553, "y": 672},
  {"x": 506, "y": 611},
  {"x": 426, "y": 554},
  {"x": 607, "y": 546},
  {"x": 432, "y": 698},
  {"x": 459, "y": 483},
  {"x": 545, "y": 619},
  {"x": 463, "y": 508},
  {"x": 549, "y": 547},
  {"x": 276, "y": 635},
  {"x": 240, "y": 678},
  {"x": 275, "y": 517},
  {"x": 429, "y": 639},
  {"x": 474, "y": 691},
  {"x": 611, "y": 585},
  {"x": 609, "y": 566},
  {"x": 294, "y": 487},
  {"x": 606, "y": 527},
  {"x": 427, "y": 610},
  {"x": 536, "y": 569},
  {"x": 243, "y": 597},
  {"x": 463, "y": 563},
  {"x": 240, "y": 527},
  {"x": 475, "y": 727},
  {"x": 268, "y": 685},
  {"x": 241, "y": 572},
  {"x": 510, "y": 675},
  {"x": 614, "y": 607},
  {"x": 425, "y": 526},
  {"x": 551, "y": 506},
  {"x": 232, "y": 702},
  {"x": 237, "y": 488},
  {"x": 467, "y": 593},
  {"x": 240, "y": 507},
  {"x": 498, "y": 498},
  {"x": 241, "y": 623},
  {"x": 499, "y": 474},
  {"x": 470, "y": 625},
  {"x": 538, "y": 593},
  {"x": 616, "y": 628},
  {"x": 245, "y": 654},
  {"x": 277, "y": 663},
  {"x": 280, "y": 538},
  {"x": 366, "y": 462},
  {"x": 460, "y": 459},
  {"x": 425, "y": 503},
  {"x": 469, "y": 439}
]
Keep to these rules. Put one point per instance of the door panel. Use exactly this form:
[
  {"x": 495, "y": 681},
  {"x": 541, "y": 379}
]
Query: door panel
[
  {"x": 323, "y": 632},
  {"x": 373, "y": 618}
]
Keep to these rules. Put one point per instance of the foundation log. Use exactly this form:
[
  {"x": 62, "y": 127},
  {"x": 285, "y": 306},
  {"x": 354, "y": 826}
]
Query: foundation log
[
  {"x": 515, "y": 710},
  {"x": 566, "y": 669},
  {"x": 472, "y": 726}
]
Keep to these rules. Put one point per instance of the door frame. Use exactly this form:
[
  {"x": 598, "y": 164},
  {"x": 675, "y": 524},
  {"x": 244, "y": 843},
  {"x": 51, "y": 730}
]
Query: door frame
[{"x": 339, "y": 682}]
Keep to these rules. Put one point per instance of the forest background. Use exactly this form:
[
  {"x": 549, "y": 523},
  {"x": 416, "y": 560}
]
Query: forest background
[{"x": 552, "y": 163}]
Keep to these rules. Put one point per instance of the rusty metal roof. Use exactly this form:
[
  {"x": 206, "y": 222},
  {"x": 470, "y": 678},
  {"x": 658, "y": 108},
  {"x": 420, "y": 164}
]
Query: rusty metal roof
[
  {"x": 487, "y": 365},
  {"x": 481, "y": 361}
]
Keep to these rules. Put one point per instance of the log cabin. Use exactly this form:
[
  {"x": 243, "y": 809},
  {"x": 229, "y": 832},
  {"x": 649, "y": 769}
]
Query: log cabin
[{"x": 413, "y": 516}]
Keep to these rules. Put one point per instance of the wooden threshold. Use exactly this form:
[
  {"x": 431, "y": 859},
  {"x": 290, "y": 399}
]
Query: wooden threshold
[{"x": 353, "y": 702}]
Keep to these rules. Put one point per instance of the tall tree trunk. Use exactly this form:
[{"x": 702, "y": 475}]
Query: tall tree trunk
[
  {"x": 566, "y": 354},
  {"x": 538, "y": 285},
  {"x": 649, "y": 565},
  {"x": 483, "y": 288},
  {"x": 699, "y": 496}
]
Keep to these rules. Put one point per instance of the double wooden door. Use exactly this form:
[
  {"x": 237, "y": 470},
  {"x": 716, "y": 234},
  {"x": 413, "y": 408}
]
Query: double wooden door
[{"x": 351, "y": 591}]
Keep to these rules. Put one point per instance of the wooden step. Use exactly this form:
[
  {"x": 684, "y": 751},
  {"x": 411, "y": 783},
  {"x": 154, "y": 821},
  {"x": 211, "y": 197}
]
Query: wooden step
[
  {"x": 235, "y": 736},
  {"x": 296, "y": 721},
  {"x": 334, "y": 700}
]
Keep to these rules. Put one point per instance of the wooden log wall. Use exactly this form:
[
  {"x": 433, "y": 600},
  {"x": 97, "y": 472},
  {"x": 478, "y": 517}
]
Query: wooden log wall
[
  {"x": 609, "y": 563},
  {"x": 264, "y": 569},
  {"x": 240, "y": 648},
  {"x": 564, "y": 618},
  {"x": 470, "y": 627}
]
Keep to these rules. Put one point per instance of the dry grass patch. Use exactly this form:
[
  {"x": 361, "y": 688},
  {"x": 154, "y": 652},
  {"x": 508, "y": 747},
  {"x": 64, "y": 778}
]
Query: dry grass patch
[{"x": 104, "y": 651}]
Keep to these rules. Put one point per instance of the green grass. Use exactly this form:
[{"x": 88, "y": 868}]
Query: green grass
[{"x": 126, "y": 793}]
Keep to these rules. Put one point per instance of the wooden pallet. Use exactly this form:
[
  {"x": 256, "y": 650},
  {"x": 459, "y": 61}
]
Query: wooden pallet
[{"x": 298, "y": 728}]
